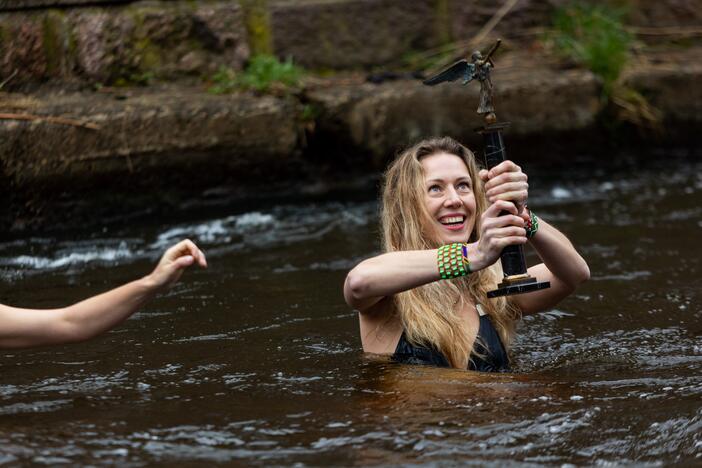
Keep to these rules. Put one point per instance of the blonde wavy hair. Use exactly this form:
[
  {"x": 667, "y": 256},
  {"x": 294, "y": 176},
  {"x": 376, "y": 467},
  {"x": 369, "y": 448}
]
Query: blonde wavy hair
[{"x": 429, "y": 313}]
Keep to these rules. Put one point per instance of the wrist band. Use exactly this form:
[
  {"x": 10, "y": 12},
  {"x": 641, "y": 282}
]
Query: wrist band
[
  {"x": 532, "y": 225},
  {"x": 452, "y": 260}
]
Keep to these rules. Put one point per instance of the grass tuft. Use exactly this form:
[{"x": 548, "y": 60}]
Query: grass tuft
[
  {"x": 263, "y": 73},
  {"x": 595, "y": 36}
]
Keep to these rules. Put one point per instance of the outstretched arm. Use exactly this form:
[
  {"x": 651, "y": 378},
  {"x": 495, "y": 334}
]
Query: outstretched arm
[{"x": 21, "y": 328}]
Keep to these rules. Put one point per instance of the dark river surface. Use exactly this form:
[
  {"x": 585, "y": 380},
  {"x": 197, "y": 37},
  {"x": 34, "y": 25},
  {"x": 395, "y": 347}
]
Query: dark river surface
[{"x": 257, "y": 360}]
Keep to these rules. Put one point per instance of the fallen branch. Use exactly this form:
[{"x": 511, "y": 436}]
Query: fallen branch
[
  {"x": 467, "y": 45},
  {"x": 50, "y": 119},
  {"x": 490, "y": 25},
  {"x": 2, "y": 85}
]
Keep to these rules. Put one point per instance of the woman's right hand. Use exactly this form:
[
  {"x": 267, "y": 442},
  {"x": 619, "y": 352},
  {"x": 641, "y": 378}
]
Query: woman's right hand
[{"x": 496, "y": 233}]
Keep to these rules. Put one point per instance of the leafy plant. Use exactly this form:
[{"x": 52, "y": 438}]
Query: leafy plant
[
  {"x": 595, "y": 36},
  {"x": 224, "y": 81},
  {"x": 262, "y": 74}
]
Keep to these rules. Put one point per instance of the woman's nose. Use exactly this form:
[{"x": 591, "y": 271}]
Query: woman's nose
[{"x": 452, "y": 198}]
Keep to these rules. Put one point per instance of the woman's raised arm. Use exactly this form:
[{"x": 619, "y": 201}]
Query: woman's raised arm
[{"x": 394, "y": 272}]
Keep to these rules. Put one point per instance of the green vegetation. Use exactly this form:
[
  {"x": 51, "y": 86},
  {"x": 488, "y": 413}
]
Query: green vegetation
[
  {"x": 595, "y": 36},
  {"x": 263, "y": 74},
  {"x": 310, "y": 113}
]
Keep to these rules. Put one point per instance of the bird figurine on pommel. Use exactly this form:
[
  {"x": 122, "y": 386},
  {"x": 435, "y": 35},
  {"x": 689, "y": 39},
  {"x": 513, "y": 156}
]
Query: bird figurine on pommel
[{"x": 477, "y": 69}]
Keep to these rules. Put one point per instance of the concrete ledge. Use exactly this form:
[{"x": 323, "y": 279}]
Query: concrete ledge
[
  {"x": 671, "y": 80},
  {"x": 181, "y": 131}
]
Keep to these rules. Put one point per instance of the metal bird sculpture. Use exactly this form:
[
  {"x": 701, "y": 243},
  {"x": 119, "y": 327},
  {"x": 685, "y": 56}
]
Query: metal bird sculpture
[
  {"x": 477, "y": 69},
  {"x": 517, "y": 279}
]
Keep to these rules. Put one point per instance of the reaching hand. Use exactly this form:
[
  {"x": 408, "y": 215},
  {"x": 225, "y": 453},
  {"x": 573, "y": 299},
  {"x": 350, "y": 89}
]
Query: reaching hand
[
  {"x": 506, "y": 181},
  {"x": 175, "y": 261}
]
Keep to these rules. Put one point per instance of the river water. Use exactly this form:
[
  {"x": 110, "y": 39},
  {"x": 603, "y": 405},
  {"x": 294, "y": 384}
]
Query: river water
[{"x": 257, "y": 360}]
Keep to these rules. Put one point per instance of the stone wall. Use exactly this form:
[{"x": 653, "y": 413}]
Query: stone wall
[{"x": 127, "y": 45}]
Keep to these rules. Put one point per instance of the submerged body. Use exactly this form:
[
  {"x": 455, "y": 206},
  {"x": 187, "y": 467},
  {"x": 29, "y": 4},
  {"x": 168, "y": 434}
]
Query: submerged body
[{"x": 490, "y": 355}]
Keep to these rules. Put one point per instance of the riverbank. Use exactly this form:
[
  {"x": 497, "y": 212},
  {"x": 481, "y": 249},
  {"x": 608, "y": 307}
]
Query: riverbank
[{"x": 78, "y": 153}]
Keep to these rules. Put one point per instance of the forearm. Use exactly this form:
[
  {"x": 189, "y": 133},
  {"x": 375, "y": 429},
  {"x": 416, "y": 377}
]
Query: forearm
[
  {"x": 389, "y": 274},
  {"x": 100, "y": 313},
  {"x": 559, "y": 255},
  {"x": 22, "y": 328}
]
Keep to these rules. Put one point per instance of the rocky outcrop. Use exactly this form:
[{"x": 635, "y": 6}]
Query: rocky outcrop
[
  {"x": 670, "y": 80},
  {"x": 377, "y": 120}
]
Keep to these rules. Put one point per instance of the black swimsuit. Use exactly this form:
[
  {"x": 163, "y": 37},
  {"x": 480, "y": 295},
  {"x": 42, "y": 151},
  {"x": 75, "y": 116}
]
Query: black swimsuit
[{"x": 495, "y": 358}]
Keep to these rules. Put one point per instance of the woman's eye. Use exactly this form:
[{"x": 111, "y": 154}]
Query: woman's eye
[
  {"x": 463, "y": 186},
  {"x": 434, "y": 189}
]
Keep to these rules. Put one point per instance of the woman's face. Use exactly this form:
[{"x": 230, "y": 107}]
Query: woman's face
[{"x": 449, "y": 197}]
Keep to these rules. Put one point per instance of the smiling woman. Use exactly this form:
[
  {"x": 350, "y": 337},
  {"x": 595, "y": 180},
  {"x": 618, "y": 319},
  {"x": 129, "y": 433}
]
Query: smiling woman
[{"x": 445, "y": 223}]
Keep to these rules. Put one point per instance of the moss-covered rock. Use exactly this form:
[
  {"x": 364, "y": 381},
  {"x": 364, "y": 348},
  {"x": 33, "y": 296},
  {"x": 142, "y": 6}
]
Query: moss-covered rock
[{"x": 167, "y": 40}]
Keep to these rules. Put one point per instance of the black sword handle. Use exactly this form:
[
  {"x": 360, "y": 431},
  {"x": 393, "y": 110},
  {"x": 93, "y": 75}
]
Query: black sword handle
[{"x": 512, "y": 257}]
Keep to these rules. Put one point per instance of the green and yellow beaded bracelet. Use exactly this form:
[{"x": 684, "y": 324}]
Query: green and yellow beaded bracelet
[{"x": 452, "y": 261}]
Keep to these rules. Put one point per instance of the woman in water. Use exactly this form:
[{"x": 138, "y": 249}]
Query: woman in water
[
  {"x": 23, "y": 328},
  {"x": 436, "y": 204}
]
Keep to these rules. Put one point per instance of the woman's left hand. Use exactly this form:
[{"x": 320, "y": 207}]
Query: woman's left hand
[
  {"x": 175, "y": 261},
  {"x": 506, "y": 181}
]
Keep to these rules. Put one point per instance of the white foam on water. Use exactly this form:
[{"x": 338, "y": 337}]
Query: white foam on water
[
  {"x": 74, "y": 258},
  {"x": 561, "y": 192},
  {"x": 254, "y": 219}
]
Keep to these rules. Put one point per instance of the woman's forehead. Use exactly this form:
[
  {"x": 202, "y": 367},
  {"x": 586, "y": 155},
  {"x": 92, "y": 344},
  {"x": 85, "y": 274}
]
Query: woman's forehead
[{"x": 444, "y": 164}]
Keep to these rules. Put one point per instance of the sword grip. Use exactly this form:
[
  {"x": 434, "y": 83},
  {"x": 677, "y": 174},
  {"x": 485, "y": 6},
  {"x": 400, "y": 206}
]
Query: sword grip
[{"x": 512, "y": 257}]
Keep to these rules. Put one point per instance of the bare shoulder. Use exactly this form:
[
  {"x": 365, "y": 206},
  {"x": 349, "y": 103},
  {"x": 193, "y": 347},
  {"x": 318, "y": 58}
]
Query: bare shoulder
[{"x": 380, "y": 327}]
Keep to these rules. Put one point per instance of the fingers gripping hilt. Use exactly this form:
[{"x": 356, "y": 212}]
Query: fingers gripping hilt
[{"x": 516, "y": 279}]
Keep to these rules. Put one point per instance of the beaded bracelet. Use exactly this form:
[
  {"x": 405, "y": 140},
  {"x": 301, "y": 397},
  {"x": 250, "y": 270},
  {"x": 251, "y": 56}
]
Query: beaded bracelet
[
  {"x": 532, "y": 225},
  {"x": 452, "y": 260}
]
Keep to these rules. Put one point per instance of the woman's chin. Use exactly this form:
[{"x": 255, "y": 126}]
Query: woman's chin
[{"x": 452, "y": 237}]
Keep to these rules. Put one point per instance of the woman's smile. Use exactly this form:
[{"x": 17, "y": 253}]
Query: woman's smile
[{"x": 453, "y": 222}]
